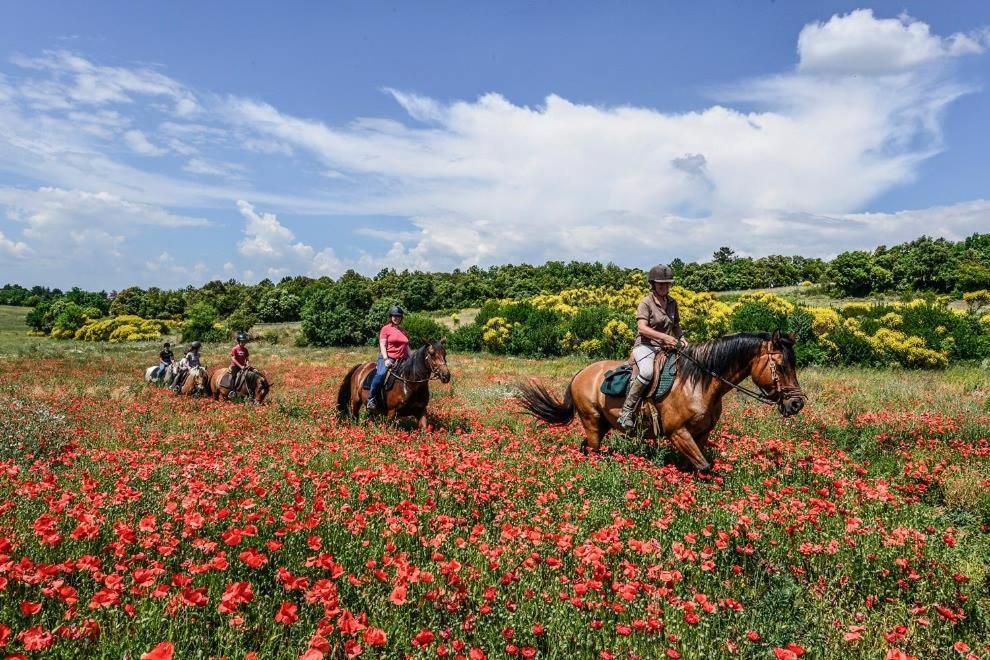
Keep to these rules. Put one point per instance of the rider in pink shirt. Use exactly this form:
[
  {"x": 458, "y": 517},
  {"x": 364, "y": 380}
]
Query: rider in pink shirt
[{"x": 393, "y": 345}]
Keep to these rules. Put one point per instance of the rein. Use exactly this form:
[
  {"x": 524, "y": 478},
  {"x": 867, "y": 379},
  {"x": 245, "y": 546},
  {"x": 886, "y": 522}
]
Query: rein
[
  {"x": 760, "y": 395},
  {"x": 434, "y": 375}
]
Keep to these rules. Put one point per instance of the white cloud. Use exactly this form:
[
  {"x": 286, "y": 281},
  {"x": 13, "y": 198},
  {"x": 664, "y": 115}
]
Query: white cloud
[
  {"x": 68, "y": 224},
  {"x": 77, "y": 80},
  {"x": 859, "y": 43},
  {"x": 783, "y": 163},
  {"x": 211, "y": 168},
  {"x": 14, "y": 249},
  {"x": 139, "y": 143}
]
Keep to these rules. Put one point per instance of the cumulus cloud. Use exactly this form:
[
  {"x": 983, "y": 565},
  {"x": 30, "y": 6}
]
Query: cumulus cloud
[
  {"x": 13, "y": 249},
  {"x": 858, "y": 42},
  {"x": 781, "y": 163}
]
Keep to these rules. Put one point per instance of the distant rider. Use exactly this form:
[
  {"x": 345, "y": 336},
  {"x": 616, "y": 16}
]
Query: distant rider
[
  {"x": 393, "y": 345},
  {"x": 188, "y": 363},
  {"x": 239, "y": 361},
  {"x": 165, "y": 358},
  {"x": 658, "y": 325}
]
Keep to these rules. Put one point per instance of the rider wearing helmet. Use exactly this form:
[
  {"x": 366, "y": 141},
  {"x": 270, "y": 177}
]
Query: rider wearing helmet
[
  {"x": 165, "y": 358},
  {"x": 188, "y": 363},
  {"x": 239, "y": 361},
  {"x": 393, "y": 345},
  {"x": 658, "y": 326}
]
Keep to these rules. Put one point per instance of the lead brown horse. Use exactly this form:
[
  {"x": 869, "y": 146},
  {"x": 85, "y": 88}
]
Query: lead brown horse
[
  {"x": 410, "y": 395},
  {"x": 253, "y": 386},
  {"x": 687, "y": 415}
]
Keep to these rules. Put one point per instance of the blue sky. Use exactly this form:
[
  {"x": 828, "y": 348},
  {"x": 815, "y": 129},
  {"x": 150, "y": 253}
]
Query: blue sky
[{"x": 173, "y": 143}]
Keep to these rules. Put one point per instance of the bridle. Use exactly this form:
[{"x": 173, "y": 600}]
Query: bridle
[{"x": 435, "y": 374}]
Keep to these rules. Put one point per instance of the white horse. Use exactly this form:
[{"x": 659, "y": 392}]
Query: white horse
[{"x": 164, "y": 378}]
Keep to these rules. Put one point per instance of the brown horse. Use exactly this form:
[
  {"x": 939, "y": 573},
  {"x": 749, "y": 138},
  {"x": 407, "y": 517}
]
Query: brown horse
[
  {"x": 196, "y": 383},
  {"x": 254, "y": 384},
  {"x": 687, "y": 415},
  {"x": 409, "y": 396}
]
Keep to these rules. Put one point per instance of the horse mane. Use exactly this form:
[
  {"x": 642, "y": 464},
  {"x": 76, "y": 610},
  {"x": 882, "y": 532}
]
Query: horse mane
[
  {"x": 722, "y": 356},
  {"x": 415, "y": 367}
]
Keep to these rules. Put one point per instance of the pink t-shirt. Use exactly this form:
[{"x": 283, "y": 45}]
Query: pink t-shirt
[{"x": 396, "y": 342}]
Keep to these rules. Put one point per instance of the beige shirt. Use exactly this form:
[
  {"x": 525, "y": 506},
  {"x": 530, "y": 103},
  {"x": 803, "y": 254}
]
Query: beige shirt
[{"x": 667, "y": 321}]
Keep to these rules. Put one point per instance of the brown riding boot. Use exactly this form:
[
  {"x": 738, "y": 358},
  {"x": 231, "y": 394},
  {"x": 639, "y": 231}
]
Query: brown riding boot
[{"x": 627, "y": 417}]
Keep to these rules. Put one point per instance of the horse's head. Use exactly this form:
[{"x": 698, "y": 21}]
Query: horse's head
[
  {"x": 258, "y": 384},
  {"x": 199, "y": 380},
  {"x": 436, "y": 360},
  {"x": 774, "y": 371}
]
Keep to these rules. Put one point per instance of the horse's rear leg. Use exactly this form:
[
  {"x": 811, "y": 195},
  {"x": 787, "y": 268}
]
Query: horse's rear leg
[
  {"x": 595, "y": 429},
  {"x": 688, "y": 448}
]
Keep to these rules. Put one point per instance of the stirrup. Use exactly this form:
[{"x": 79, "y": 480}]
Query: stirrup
[{"x": 371, "y": 405}]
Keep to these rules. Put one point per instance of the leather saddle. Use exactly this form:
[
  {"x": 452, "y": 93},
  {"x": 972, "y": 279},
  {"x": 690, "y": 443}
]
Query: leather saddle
[
  {"x": 225, "y": 380},
  {"x": 616, "y": 382},
  {"x": 389, "y": 383}
]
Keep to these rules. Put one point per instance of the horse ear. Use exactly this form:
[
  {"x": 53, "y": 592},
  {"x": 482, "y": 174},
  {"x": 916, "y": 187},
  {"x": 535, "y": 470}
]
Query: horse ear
[
  {"x": 443, "y": 342},
  {"x": 790, "y": 338},
  {"x": 775, "y": 338}
]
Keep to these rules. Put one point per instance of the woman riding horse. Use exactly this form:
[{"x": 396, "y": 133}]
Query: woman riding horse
[
  {"x": 705, "y": 374},
  {"x": 658, "y": 326},
  {"x": 393, "y": 346},
  {"x": 410, "y": 394}
]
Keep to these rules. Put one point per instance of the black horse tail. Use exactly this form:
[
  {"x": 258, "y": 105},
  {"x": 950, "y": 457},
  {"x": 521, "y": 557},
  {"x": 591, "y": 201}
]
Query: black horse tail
[
  {"x": 344, "y": 394},
  {"x": 540, "y": 403}
]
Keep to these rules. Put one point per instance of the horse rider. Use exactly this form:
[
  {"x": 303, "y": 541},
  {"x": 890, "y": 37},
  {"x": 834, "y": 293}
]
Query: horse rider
[
  {"x": 188, "y": 363},
  {"x": 658, "y": 326},
  {"x": 165, "y": 358},
  {"x": 240, "y": 360},
  {"x": 393, "y": 345}
]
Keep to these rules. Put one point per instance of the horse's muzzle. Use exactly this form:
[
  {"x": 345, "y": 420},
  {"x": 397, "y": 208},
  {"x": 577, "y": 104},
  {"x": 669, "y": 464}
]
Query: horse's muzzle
[
  {"x": 790, "y": 406},
  {"x": 445, "y": 377}
]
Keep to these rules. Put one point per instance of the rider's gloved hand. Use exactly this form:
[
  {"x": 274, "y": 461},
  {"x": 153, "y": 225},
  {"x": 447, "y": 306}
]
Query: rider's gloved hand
[{"x": 389, "y": 362}]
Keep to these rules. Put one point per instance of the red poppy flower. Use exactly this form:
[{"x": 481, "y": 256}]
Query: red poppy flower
[{"x": 163, "y": 651}]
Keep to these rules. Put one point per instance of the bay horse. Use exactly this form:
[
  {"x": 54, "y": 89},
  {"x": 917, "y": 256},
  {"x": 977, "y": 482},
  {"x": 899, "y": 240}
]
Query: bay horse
[
  {"x": 409, "y": 396},
  {"x": 689, "y": 412},
  {"x": 254, "y": 384},
  {"x": 197, "y": 382}
]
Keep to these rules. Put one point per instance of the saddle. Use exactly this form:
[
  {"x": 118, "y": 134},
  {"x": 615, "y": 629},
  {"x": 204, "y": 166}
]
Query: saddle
[
  {"x": 225, "y": 380},
  {"x": 616, "y": 382},
  {"x": 389, "y": 383}
]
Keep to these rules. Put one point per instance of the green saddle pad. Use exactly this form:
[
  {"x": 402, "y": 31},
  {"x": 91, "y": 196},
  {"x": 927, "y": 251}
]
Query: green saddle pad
[{"x": 616, "y": 381}]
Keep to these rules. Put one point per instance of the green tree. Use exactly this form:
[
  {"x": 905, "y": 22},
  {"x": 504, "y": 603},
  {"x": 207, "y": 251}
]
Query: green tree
[
  {"x": 198, "y": 326},
  {"x": 336, "y": 316}
]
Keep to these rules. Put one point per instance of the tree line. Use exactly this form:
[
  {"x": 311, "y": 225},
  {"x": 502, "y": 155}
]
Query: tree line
[{"x": 925, "y": 264}]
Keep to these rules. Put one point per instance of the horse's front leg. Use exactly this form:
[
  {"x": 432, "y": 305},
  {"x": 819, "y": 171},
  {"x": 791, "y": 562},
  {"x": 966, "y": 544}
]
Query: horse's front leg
[
  {"x": 422, "y": 422},
  {"x": 688, "y": 448}
]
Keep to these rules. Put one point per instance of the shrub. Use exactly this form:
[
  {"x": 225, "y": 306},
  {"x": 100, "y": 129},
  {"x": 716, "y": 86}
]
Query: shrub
[
  {"x": 420, "y": 328},
  {"x": 466, "y": 338},
  {"x": 200, "y": 324},
  {"x": 337, "y": 315},
  {"x": 123, "y": 328},
  {"x": 241, "y": 320}
]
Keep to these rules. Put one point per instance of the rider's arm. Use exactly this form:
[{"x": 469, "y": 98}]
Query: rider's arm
[
  {"x": 646, "y": 331},
  {"x": 381, "y": 346}
]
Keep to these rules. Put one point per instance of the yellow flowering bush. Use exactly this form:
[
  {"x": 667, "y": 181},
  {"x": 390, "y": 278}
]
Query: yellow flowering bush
[
  {"x": 773, "y": 302},
  {"x": 891, "y": 320},
  {"x": 977, "y": 300},
  {"x": 495, "y": 333},
  {"x": 119, "y": 329},
  {"x": 907, "y": 350},
  {"x": 703, "y": 316},
  {"x": 824, "y": 319}
]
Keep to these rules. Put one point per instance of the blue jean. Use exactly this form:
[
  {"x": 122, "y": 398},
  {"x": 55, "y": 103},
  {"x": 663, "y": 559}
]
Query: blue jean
[{"x": 379, "y": 379}]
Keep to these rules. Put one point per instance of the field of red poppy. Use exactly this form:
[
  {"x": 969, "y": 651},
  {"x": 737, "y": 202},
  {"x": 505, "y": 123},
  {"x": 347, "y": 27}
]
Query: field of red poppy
[{"x": 137, "y": 524}]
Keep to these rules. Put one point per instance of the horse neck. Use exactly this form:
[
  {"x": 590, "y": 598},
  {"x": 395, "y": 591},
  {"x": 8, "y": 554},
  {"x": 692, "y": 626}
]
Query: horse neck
[
  {"x": 735, "y": 367},
  {"x": 415, "y": 368}
]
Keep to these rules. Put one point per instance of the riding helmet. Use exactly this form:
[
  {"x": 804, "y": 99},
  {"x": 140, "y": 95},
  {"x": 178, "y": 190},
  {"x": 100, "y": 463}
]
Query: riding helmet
[
  {"x": 168, "y": 345},
  {"x": 661, "y": 273},
  {"x": 195, "y": 345},
  {"x": 395, "y": 310},
  {"x": 242, "y": 336}
]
